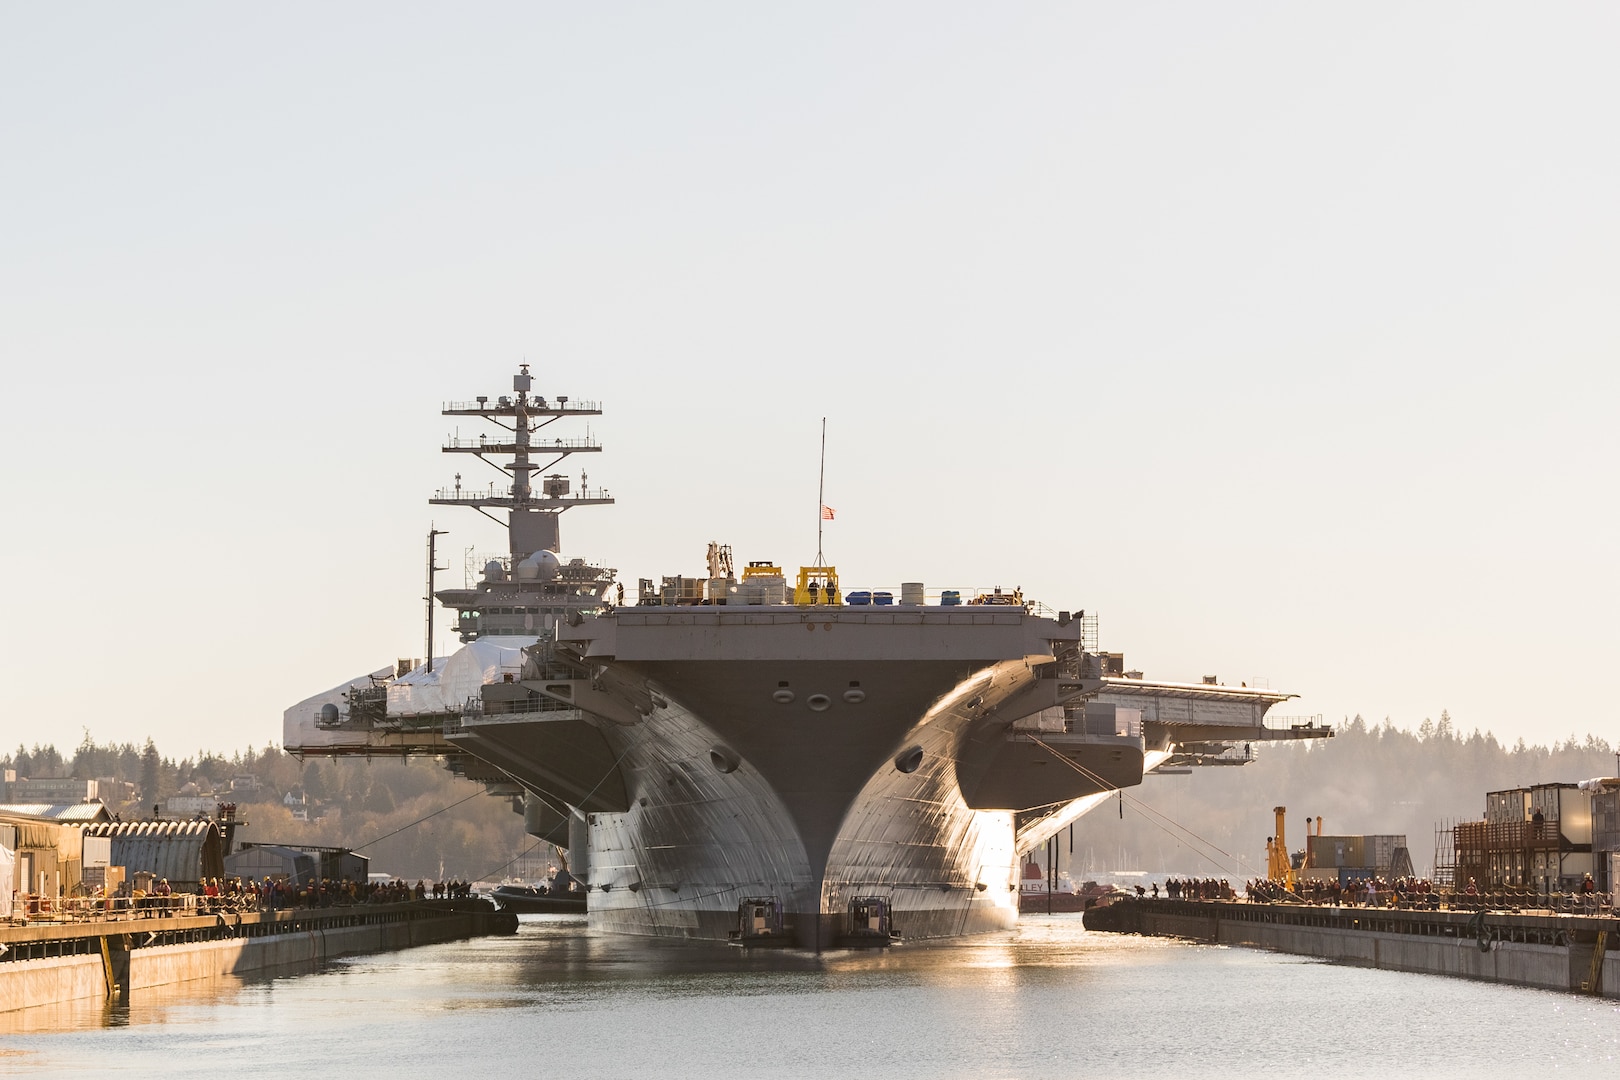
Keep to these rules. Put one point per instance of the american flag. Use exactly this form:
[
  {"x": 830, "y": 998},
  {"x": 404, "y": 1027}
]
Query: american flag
[{"x": 827, "y": 512}]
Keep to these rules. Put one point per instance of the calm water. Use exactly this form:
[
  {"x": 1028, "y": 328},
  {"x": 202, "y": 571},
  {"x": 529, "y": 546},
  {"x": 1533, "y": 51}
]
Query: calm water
[{"x": 1046, "y": 999}]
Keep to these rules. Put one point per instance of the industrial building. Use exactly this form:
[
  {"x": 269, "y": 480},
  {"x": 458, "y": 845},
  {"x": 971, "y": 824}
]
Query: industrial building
[
  {"x": 1537, "y": 838},
  {"x": 1345, "y": 859},
  {"x": 297, "y": 864}
]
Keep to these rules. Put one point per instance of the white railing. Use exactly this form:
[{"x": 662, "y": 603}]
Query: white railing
[
  {"x": 506, "y": 443},
  {"x": 28, "y": 908},
  {"x": 532, "y": 404},
  {"x": 496, "y": 491},
  {"x": 1292, "y": 723}
]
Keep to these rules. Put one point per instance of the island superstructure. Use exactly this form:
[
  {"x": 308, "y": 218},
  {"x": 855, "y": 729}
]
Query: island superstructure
[{"x": 745, "y": 756}]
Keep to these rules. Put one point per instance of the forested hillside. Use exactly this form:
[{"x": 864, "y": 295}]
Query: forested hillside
[
  {"x": 349, "y": 802},
  {"x": 1370, "y": 778}
]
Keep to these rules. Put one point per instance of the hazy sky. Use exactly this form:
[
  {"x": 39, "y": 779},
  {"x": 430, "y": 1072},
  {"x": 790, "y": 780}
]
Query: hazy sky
[{"x": 1284, "y": 336}]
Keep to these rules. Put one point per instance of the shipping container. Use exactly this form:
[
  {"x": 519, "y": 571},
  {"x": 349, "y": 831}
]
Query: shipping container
[{"x": 1374, "y": 853}]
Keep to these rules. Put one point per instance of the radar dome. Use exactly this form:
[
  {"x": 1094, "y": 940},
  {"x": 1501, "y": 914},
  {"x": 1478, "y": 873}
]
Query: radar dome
[
  {"x": 541, "y": 566},
  {"x": 494, "y": 571},
  {"x": 329, "y": 713}
]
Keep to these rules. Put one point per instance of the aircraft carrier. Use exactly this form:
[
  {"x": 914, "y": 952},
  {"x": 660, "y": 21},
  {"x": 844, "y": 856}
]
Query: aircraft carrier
[{"x": 756, "y": 757}]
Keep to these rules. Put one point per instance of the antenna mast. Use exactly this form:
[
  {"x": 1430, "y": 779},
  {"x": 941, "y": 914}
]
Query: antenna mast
[
  {"x": 821, "y": 494},
  {"x": 433, "y": 534}
]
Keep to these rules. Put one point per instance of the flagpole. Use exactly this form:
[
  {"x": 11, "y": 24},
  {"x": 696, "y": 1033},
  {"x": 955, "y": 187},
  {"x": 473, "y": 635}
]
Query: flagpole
[{"x": 821, "y": 493}]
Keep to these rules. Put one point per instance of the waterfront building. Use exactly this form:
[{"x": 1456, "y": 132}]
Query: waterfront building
[{"x": 1537, "y": 837}]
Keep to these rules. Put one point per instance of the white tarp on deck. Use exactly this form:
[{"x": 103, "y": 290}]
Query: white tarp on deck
[
  {"x": 298, "y": 722},
  {"x": 453, "y": 682}
]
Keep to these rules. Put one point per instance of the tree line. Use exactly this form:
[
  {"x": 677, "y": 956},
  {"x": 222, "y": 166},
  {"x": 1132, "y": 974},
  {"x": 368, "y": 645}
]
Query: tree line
[
  {"x": 1370, "y": 778},
  {"x": 390, "y": 810}
]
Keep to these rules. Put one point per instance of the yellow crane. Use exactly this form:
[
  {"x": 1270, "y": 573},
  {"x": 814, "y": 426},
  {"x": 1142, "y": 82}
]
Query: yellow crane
[{"x": 1279, "y": 867}]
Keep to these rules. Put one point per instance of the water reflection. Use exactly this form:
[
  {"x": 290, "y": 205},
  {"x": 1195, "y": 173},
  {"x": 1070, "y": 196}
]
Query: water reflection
[{"x": 1045, "y": 997}]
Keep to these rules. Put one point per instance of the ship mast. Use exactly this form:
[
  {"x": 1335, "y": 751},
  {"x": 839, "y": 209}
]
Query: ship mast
[
  {"x": 531, "y": 519},
  {"x": 432, "y": 558},
  {"x": 524, "y": 594}
]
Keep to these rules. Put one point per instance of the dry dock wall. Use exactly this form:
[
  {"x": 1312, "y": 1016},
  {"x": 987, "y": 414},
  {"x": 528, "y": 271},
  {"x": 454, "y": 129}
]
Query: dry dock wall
[
  {"x": 47, "y": 980},
  {"x": 202, "y": 960},
  {"x": 1544, "y": 951}
]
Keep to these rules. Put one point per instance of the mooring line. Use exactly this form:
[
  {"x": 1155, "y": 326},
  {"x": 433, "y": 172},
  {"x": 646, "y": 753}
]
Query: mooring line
[{"x": 1149, "y": 811}]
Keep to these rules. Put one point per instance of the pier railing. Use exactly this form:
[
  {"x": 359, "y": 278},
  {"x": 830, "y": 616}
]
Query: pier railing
[
  {"x": 44, "y": 939},
  {"x": 1496, "y": 899},
  {"x": 1483, "y": 926},
  {"x": 1575, "y": 903},
  {"x": 30, "y": 909},
  {"x": 67, "y": 909}
]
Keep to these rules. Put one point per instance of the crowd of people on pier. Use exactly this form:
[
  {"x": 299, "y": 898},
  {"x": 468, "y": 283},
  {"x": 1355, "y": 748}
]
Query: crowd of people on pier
[
  {"x": 1363, "y": 892},
  {"x": 245, "y": 894},
  {"x": 1359, "y": 892},
  {"x": 327, "y": 892},
  {"x": 451, "y": 890},
  {"x": 1196, "y": 889},
  {"x": 155, "y": 897},
  {"x": 1410, "y": 891},
  {"x": 1371, "y": 891}
]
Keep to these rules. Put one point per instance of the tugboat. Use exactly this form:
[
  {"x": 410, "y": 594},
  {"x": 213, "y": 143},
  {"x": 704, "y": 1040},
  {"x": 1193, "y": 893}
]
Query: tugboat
[
  {"x": 871, "y": 924},
  {"x": 760, "y": 923}
]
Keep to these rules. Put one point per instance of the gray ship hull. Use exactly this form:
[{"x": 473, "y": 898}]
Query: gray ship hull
[
  {"x": 692, "y": 759},
  {"x": 803, "y": 828},
  {"x": 750, "y": 758},
  {"x": 810, "y": 757}
]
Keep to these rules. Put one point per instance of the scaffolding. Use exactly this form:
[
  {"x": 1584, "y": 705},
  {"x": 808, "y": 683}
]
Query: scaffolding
[
  {"x": 1444, "y": 871},
  {"x": 1510, "y": 854}
]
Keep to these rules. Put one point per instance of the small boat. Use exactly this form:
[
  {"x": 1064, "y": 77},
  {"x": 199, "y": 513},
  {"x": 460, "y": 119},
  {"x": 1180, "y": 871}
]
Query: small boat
[
  {"x": 870, "y": 924},
  {"x": 527, "y": 900},
  {"x": 760, "y": 923},
  {"x": 1034, "y": 897}
]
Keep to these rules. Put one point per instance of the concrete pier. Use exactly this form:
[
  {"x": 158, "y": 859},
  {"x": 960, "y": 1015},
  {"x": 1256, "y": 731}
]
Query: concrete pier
[
  {"x": 47, "y": 963},
  {"x": 1550, "y": 951}
]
